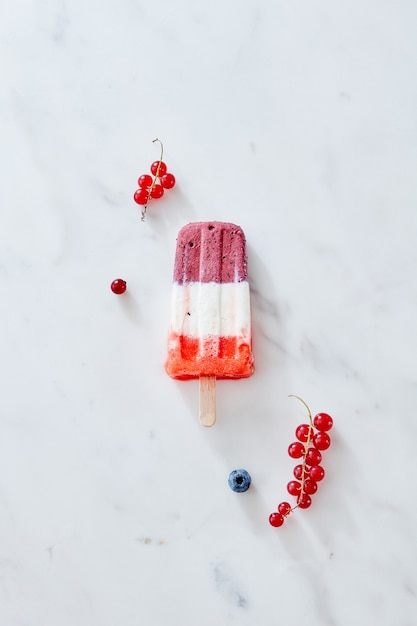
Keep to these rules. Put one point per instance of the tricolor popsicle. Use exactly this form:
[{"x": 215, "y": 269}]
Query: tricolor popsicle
[{"x": 210, "y": 329}]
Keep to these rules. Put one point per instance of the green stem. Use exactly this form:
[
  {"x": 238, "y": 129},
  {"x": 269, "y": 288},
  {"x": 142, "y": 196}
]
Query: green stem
[
  {"x": 303, "y": 475},
  {"x": 155, "y": 178}
]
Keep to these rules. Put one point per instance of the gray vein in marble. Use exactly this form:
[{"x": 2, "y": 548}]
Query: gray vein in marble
[
  {"x": 269, "y": 308},
  {"x": 227, "y": 585}
]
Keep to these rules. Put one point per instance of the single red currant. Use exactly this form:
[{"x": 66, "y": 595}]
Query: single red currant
[
  {"x": 141, "y": 196},
  {"x": 294, "y": 487},
  {"x": 310, "y": 486},
  {"x": 322, "y": 441},
  {"x": 313, "y": 457},
  {"x": 158, "y": 168},
  {"x": 304, "y": 501},
  {"x": 284, "y": 508},
  {"x": 323, "y": 421},
  {"x": 118, "y": 286},
  {"x": 296, "y": 450},
  {"x": 145, "y": 181},
  {"x": 276, "y": 519},
  {"x": 300, "y": 471},
  {"x": 304, "y": 432},
  {"x": 157, "y": 191},
  {"x": 168, "y": 181},
  {"x": 316, "y": 473}
]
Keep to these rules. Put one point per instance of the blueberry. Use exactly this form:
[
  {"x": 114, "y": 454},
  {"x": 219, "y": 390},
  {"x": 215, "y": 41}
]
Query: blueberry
[{"x": 239, "y": 480}]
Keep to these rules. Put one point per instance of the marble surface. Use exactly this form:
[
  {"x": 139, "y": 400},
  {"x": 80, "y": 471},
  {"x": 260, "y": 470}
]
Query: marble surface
[{"x": 296, "y": 121}]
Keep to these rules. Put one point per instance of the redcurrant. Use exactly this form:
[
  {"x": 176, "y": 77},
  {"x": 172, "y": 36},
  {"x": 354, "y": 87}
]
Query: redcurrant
[
  {"x": 168, "y": 181},
  {"x": 304, "y": 501},
  {"x": 145, "y": 181},
  {"x": 118, "y": 286},
  {"x": 323, "y": 421},
  {"x": 141, "y": 196},
  {"x": 276, "y": 519},
  {"x": 304, "y": 432},
  {"x": 157, "y": 191},
  {"x": 316, "y": 473},
  {"x": 313, "y": 457},
  {"x": 321, "y": 441},
  {"x": 158, "y": 168},
  {"x": 300, "y": 471},
  {"x": 310, "y": 486},
  {"x": 296, "y": 450},
  {"x": 284, "y": 508},
  {"x": 294, "y": 487}
]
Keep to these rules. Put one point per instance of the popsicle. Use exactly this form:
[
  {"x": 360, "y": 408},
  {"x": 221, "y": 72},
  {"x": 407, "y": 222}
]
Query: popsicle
[{"x": 210, "y": 328}]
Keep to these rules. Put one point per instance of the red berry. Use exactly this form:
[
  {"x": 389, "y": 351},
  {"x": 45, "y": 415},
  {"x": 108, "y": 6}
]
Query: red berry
[
  {"x": 316, "y": 473},
  {"x": 310, "y": 486},
  {"x": 294, "y": 487},
  {"x": 313, "y": 457},
  {"x": 141, "y": 196},
  {"x": 168, "y": 181},
  {"x": 284, "y": 508},
  {"x": 304, "y": 432},
  {"x": 157, "y": 192},
  {"x": 304, "y": 501},
  {"x": 323, "y": 421},
  {"x": 276, "y": 519},
  {"x": 299, "y": 473},
  {"x": 118, "y": 286},
  {"x": 145, "y": 181},
  {"x": 160, "y": 167},
  {"x": 322, "y": 441},
  {"x": 296, "y": 450}
]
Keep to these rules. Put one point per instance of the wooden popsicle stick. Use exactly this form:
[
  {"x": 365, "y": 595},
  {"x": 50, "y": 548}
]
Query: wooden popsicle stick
[{"x": 207, "y": 400}]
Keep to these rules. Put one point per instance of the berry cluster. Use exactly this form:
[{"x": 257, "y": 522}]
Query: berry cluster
[
  {"x": 312, "y": 439},
  {"x": 153, "y": 187}
]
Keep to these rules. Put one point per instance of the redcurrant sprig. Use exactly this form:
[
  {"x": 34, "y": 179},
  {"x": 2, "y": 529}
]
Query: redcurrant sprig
[
  {"x": 153, "y": 187},
  {"x": 312, "y": 439}
]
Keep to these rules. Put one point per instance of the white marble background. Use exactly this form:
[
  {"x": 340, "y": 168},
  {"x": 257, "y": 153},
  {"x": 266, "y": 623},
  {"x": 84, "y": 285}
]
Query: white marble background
[{"x": 296, "y": 120}]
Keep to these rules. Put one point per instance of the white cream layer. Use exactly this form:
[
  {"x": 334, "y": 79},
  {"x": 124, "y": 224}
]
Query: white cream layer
[{"x": 201, "y": 309}]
